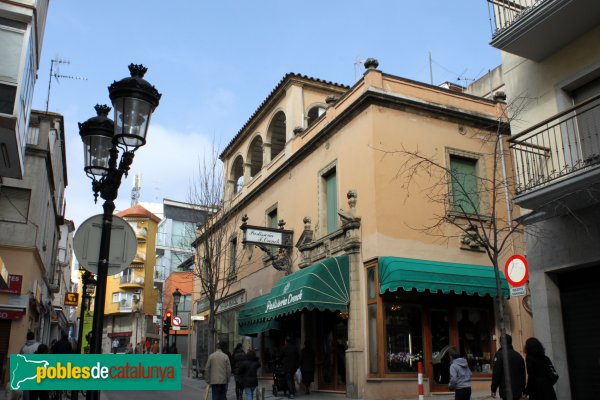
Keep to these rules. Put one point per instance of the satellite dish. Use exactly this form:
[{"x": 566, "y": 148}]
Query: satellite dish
[{"x": 123, "y": 244}]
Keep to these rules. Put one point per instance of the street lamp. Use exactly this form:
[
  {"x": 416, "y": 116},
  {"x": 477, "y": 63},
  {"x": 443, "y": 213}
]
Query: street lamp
[
  {"x": 133, "y": 100},
  {"x": 176, "y": 300}
]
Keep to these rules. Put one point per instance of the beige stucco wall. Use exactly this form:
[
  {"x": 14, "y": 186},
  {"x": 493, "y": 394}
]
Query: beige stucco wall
[{"x": 541, "y": 85}]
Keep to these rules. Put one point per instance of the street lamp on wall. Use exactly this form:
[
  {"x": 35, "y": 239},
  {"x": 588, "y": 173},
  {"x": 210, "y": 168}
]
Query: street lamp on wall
[{"x": 134, "y": 100}]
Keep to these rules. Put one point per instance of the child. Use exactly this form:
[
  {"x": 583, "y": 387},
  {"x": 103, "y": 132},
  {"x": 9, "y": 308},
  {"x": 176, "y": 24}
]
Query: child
[{"x": 460, "y": 375}]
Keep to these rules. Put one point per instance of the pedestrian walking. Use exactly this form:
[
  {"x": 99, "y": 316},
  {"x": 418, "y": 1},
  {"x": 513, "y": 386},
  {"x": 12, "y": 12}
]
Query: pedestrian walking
[
  {"x": 217, "y": 373},
  {"x": 40, "y": 394},
  {"x": 115, "y": 346},
  {"x": 290, "y": 360},
  {"x": 460, "y": 375},
  {"x": 155, "y": 348},
  {"x": 31, "y": 345},
  {"x": 238, "y": 357},
  {"x": 541, "y": 375},
  {"x": 63, "y": 346},
  {"x": 307, "y": 365},
  {"x": 516, "y": 366},
  {"x": 129, "y": 349},
  {"x": 248, "y": 373}
]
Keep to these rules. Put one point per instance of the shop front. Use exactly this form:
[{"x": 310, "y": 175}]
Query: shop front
[
  {"x": 417, "y": 309},
  {"x": 226, "y": 319},
  {"x": 310, "y": 305}
]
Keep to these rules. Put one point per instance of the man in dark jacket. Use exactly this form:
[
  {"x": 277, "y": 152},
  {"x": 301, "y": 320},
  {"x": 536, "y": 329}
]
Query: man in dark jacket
[
  {"x": 516, "y": 366},
  {"x": 63, "y": 346},
  {"x": 290, "y": 360}
]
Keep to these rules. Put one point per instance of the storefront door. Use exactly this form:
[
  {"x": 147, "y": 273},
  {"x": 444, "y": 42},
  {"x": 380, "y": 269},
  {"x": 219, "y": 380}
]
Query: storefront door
[
  {"x": 438, "y": 368},
  {"x": 331, "y": 352}
]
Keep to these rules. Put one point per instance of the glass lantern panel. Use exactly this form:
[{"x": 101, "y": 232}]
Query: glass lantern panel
[
  {"x": 131, "y": 121},
  {"x": 97, "y": 153}
]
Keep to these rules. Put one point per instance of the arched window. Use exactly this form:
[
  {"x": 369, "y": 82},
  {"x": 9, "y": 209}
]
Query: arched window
[
  {"x": 277, "y": 134},
  {"x": 314, "y": 113},
  {"x": 255, "y": 156},
  {"x": 237, "y": 174}
]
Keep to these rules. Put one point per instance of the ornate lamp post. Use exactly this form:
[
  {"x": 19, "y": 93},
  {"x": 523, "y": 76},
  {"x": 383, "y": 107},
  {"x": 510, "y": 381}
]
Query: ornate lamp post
[
  {"x": 176, "y": 300},
  {"x": 134, "y": 100}
]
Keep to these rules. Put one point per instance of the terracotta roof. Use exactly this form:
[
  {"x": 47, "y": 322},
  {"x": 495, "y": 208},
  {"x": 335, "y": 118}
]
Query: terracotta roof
[
  {"x": 287, "y": 77},
  {"x": 138, "y": 211}
]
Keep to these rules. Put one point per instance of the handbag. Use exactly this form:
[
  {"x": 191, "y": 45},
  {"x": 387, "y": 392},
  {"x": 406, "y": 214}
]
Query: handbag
[{"x": 552, "y": 374}]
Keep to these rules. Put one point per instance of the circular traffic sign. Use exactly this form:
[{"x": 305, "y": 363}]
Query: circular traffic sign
[
  {"x": 516, "y": 270},
  {"x": 176, "y": 321},
  {"x": 123, "y": 244}
]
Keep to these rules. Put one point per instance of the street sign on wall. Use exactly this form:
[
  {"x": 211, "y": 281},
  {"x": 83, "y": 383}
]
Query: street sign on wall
[{"x": 71, "y": 299}]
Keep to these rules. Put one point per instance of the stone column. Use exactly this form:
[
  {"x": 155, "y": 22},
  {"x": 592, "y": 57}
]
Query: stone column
[{"x": 266, "y": 153}]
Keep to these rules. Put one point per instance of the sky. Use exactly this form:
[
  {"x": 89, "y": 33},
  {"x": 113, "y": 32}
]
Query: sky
[{"x": 216, "y": 61}]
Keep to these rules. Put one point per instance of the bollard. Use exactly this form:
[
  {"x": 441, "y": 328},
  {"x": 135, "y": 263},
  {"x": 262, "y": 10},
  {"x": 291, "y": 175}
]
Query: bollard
[{"x": 420, "y": 369}]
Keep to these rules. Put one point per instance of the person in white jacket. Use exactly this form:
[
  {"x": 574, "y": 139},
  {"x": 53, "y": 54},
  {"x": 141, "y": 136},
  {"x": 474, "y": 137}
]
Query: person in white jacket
[
  {"x": 460, "y": 375},
  {"x": 31, "y": 345}
]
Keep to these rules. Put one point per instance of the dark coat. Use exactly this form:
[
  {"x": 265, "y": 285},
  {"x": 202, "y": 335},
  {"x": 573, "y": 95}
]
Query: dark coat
[
  {"x": 238, "y": 357},
  {"x": 516, "y": 366},
  {"x": 539, "y": 386},
  {"x": 290, "y": 358},
  {"x": 307, "y": 365},
  {"x": 62, "y": 347},
  {"x": 247, "y": 371}
]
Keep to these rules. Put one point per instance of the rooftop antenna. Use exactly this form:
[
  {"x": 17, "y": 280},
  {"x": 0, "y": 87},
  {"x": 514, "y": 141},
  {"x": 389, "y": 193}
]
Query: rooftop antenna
[
  {"x": 357, "y": 63},
  {"x": 136, "y": 189},
  {"x": 56, "y": 74}
]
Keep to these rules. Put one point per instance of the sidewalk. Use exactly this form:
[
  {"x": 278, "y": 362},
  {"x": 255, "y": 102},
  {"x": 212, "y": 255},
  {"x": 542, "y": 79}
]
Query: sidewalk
[{"x": 316, "y": 395}]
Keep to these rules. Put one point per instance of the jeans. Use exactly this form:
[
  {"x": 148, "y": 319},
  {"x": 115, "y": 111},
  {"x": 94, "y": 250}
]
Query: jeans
[
  {"x": 289, "y": 378},
  {"x": 219, "y": 392},
  {"x": 462, "y": 394},
  {"x": 249, "y": 393}
]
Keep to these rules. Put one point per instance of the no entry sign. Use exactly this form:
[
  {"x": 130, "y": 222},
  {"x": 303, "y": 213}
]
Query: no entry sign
[{"x": 516, "y": 270}]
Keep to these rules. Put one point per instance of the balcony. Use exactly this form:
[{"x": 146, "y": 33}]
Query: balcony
[
  {"x": 131, "y": 281},
  {"x": 140, "y": 258},
  {"x": 535, "y": 29},
  {"x": 557, "y": 162}
]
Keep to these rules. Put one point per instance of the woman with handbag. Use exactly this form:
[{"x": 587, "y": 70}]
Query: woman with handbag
[{"x": 541, "y": 375}]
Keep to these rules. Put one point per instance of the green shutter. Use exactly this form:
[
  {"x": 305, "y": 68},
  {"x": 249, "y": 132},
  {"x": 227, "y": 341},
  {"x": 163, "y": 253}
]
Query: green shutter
[
  {"x": 332, "y": 206},
  {"x": 465, "y": 196}
]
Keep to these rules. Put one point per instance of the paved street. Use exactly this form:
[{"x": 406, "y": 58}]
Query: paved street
[{"x": 193, "y": 389}]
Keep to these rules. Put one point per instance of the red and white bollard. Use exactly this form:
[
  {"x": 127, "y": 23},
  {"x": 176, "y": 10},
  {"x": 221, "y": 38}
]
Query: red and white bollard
[{"x": 420, "y": 369}]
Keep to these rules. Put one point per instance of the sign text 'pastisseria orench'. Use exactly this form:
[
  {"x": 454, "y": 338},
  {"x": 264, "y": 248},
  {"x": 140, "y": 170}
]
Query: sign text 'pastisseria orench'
[
  {"x": 283, "y": 301},
  {"x": 266, "y": 237}
]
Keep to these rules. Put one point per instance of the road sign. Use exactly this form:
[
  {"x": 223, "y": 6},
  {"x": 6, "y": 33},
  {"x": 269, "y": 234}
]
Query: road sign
[
  {"x": 71, "y": 299},
  {"x": 176, "y": 328},
  {"x": 123, "y": 244},
  {"x": 176, "y": 321},
  {"x": 518, "y": 291},
  {"x": 516, "y": 270}
]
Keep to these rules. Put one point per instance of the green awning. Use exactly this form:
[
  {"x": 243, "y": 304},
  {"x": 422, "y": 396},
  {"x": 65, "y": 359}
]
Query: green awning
[
  {"x": 436, "y": 276},
  {"x": 322, "y": 286}
]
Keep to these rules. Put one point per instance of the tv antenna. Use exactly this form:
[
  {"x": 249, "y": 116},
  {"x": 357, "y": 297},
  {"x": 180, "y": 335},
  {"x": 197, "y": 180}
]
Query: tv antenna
[
  {"x": 357, "y": 64},
  {"x": 56, "y": 75}
]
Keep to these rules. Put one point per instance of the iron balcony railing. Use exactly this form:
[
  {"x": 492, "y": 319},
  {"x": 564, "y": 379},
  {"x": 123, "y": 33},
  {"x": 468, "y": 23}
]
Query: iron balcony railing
[
  {"x": 505, "y": 12},
  {"x": 558, "y": 146}
]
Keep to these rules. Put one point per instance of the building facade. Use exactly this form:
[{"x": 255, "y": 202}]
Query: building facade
[
  {"x": 22, "y": 25},
  {"x": 551, "y": 66},
  {"x": 315, "y": 170},
  {"x": 130, "y": 309},
  {"x": 31, "y": 219}
]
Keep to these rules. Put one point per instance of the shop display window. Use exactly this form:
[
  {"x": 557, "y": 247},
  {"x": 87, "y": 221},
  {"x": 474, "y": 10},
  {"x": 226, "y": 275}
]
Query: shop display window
[
  {"x": 403, "y": 337},
  {"x": 474, "y": 338}
]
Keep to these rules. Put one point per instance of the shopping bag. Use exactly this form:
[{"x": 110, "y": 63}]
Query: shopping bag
[{"x": 298, "y": 376}]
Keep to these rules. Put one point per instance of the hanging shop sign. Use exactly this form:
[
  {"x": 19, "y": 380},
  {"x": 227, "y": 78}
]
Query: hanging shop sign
[
  {"x": 71, "y": 299},
  {"x": 232, "y": 301},
  {"x": 15, "y": 282},
  {"x": 267, "y": 236}
]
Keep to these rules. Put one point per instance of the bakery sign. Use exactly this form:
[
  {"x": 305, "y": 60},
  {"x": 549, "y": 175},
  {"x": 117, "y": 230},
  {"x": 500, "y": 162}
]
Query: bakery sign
[{"x": 267, "y": 236}]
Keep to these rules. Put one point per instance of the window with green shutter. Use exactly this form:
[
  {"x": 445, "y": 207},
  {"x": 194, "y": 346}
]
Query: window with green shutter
[
  {"x": 331, "y": 200},
  {"x": 465, "y": 194}
]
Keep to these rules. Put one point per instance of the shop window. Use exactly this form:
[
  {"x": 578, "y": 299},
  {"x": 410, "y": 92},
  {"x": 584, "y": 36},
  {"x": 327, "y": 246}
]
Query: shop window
[
  {"x": 474, "y": 338},
  {"x": 373, "y": 361},
  {"x": 403, "y": 337},
  {"x": 371, "y": 284},
  {"x": 465, "y": 193}
]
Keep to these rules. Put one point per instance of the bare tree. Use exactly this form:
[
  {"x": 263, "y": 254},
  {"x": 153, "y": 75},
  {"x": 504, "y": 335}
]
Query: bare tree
[
  {"x": 219, "y": 253},
  {"x": 469, "y": 207}
]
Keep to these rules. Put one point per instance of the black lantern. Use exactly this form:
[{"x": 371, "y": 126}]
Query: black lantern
[
  {"x": 97, "y": 136},
  {"x": 134, "y": 101},
  {"x": 176, "y": 297}
]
